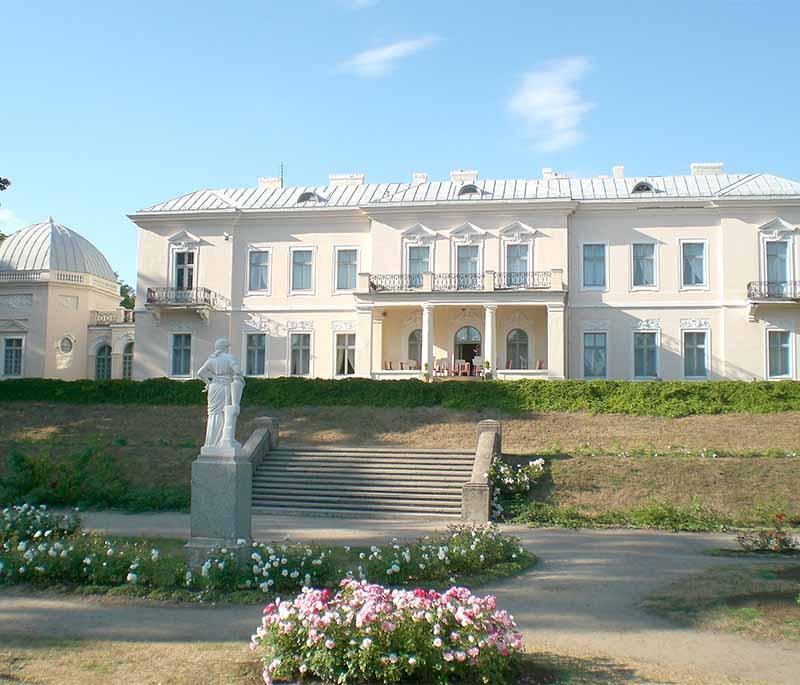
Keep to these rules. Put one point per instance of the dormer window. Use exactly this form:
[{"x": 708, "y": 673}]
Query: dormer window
[
  {"x": 469, "y": 189},
  {"x": 310, "y": 196},
  {"x": 643, "y": 187}
]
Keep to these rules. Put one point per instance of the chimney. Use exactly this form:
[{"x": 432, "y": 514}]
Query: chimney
[
  {"x": 419, "y": 177},
  {"x": 346, "y": 179},
  {"x": 463, "y": 177},
  {"x": 707, "y": 168},
  {"x": 271, "y": 182},
  {"x": 547, "y": 173},
  {"x": 618, "y": 171}
]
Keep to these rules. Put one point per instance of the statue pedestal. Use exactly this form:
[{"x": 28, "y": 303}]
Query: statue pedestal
[{"x": 222, "y": 483}]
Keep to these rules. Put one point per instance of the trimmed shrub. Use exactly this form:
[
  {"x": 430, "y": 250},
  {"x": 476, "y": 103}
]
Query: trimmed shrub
[{"x": 653, "y": 398}]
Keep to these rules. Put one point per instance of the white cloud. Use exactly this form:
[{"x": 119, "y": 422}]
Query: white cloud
[
  {"x": 10, "y": 222},
  {"x": 379, "y": 61},
  {"x": 550, "y": 105}
]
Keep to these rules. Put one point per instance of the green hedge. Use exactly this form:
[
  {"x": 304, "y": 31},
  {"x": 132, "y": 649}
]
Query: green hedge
[{"x": 656, "y": 398}]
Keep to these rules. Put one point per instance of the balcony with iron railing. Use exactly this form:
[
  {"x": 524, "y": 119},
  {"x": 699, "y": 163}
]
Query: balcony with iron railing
[
  {"x": 186, "y": 298},
  {"x": 775, "y": 291},
  {"x": 452, "y": 282}
]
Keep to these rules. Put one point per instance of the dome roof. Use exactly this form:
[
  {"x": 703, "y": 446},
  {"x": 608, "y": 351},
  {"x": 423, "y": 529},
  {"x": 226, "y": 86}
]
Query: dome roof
[{"x": 52, "y": 246}]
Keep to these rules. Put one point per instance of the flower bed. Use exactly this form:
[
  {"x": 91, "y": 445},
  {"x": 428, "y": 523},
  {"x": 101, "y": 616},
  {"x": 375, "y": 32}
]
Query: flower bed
[
  {"x": 511, "y": 483},
  {"x": 46, "y": 549},
  {"x": 370, "y": 634}
]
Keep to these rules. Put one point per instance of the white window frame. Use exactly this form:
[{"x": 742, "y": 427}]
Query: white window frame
[
  {"x": 456, "y": 243},
  {"x": 771, "y": 238},
  {"x": 656, "y": 266},
  {"x": 3, "y": 339},
  {"x": 595, "y": 288},
  {"x": 336, "y": 335},
  {"x": 310, "y": 373},
  {"x": 335, "y": 285},
  {"x": 657, "y": 331},
  {"x": 792, "y": 355},
  {"x": 583, "y": 355},
  {"x": 123, "y": 354},
  {"x": 407, "y": 245},
  {"x": 244, "y": 354},
  {"x": 516, "y": 233},
  {"x": 707, "y": 332},
  {"x": 505, "y": 244},
  {"x": 172, "y": 353},
  {"x": 303, "y": 248},
  {"x": 268, "y": 290},
  {"x": 706, "y": 285}
]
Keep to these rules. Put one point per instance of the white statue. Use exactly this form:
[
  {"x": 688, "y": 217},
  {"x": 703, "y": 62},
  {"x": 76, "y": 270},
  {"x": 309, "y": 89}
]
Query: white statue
[{"x": 224, "y": 384}]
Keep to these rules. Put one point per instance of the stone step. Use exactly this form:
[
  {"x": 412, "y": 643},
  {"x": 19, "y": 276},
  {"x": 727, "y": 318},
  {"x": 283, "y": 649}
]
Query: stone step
[
  {"x": 363, "y": 465},
  {"x": 303, "y": 490},
  {"x": 465, "y": 462},
  {"x": 347, "y": 497},
  {"x": 266, "y": 478},
  {"x": 402, "y": 451},
  {"x": 361, "y": 513}
]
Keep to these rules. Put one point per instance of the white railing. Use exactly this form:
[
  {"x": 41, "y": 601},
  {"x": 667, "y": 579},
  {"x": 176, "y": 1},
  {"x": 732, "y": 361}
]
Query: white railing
[
  {"x": 49, "y": 275},
  {"x": 106, "y": 318}
]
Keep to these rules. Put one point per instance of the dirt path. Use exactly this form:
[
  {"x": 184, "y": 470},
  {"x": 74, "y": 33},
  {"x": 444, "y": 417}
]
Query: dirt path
[{"x": 581, "y": 601}]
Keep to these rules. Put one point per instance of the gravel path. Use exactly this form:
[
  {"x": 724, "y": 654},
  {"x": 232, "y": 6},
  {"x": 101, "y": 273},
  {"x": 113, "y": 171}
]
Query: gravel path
[{"x": 581, "y": 600}]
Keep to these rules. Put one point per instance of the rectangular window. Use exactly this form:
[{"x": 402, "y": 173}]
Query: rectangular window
[
  {"x": 594, "y": 355},
  {"x": 644, "y": 265},
  {"x": 693, "y": 258},
  {"x": 594, "y": 266},
  {"x": 779, "y": 354},
  {"x": 645, "y": 355},
  {"x": 300, "y": 362},
  {"x": 181, "y": 354},
  {"x": 302, "y": 269},
  {"x": 694, "y": 354},
  {"x": 346, "y": 269},
  {"x": 258, "y": 278},
  {"x": 256, "y": 354},
  {"x": 345, "y": 354},
  {"x": 419, "y": 261},
  {"x": 184, "y": 270},
  {"x": 517, "y": 265},
  {"x": 12, "y": 357},
  {"x": 777, "y": 265},
  {"x": 467, "y": 256}
]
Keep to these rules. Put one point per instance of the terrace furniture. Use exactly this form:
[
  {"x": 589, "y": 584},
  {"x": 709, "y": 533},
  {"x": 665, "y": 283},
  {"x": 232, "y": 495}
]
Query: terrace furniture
[{"x": 440, "y": 367}]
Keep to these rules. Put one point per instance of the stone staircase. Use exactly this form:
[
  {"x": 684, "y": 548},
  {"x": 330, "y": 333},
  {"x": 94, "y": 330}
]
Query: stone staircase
[{"x": 375, "y": 482}]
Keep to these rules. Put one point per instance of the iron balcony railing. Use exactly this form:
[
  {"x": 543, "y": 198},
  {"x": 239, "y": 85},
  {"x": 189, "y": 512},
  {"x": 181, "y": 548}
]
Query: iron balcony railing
[
  {"x": 507, "y": 280},
  {"x": 193, "y": 297},
  {"x": 773, "y": 290},
  {"x": 394, "y": 282},
  {"x": 458, "y": 282}
]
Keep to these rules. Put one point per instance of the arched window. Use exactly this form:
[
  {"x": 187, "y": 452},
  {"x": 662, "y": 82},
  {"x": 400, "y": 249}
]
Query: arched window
[
  {"x": 642, "y": 187},
  {"x": 102, "y": 363},
  {"x": 415, "y": 346},
  {"x": 310, "y": 196},
  {"x": 517, "y": 349},
  {"x": 468, "y": 334},
  {"x": 469, "y": 189},
  {"x": 127, "y": 361}
]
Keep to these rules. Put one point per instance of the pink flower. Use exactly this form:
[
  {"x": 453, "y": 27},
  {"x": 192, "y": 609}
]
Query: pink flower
[
  {"x": 447, "y": 656},
  {"x": 330, "y": 644}
]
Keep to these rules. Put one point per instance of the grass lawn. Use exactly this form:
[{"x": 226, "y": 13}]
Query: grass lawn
[{"x": 757, "y": 602}]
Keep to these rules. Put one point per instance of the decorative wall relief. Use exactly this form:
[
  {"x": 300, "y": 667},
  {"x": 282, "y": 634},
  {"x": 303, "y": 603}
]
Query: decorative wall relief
[
  {"x": 695, "y": 323},
  {"x": 68, "y": 302},
  {"x": 647, "y": 324},
  {"x": 345, "y": 326},
  {"x": 300, "y": 326},
  {"x": 15, "y": 304},
  {"x": 261, "y": 322},
  {"x": 595, "y": 325}
]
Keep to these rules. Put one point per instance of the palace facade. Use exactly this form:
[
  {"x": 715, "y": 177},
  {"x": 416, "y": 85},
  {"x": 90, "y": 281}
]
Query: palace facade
[{"x": 672, "y": 277}]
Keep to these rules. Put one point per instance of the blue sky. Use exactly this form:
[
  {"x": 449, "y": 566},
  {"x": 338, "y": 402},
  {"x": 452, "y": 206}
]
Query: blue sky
[{"x": 108, "y": 107}]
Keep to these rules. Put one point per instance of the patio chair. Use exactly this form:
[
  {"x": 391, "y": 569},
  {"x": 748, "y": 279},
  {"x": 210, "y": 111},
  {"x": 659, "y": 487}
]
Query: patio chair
[
  {"x": 387, "y": 366},
  {"x": 440, "y": 367},
  {"x": 477, "y": 366},
  {"x": 540, "y": 364}
]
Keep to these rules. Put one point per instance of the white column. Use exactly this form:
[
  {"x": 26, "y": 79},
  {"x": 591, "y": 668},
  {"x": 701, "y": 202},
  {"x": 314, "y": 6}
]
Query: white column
[
  {"x": 364, "y": 341},
  {"x": 490, "y": 335},
  {"x": 427, "y": 338},
  {"x": 556, "y": 341}
]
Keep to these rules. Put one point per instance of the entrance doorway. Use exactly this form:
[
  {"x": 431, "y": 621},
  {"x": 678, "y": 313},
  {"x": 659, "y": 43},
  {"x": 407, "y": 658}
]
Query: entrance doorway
[{"x": 467, "y": 344}]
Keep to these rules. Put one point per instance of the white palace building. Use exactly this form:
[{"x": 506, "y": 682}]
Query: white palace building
[{"x": 671, "y": 277}]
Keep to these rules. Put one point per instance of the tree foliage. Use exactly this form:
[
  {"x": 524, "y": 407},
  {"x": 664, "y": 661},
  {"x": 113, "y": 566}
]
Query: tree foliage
[
  {"x": 128, "y": 295},
  {"x": 4, "y": 183}
]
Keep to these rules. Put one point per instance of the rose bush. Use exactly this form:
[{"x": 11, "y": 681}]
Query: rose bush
[
  {"x": 512, "y": 482},
  {"x": 369, "y": 634}
]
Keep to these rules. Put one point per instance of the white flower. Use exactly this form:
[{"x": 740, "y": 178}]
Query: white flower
[
  {"x": 366, "y": 643},
  {"x": 132, "y": 578}
]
